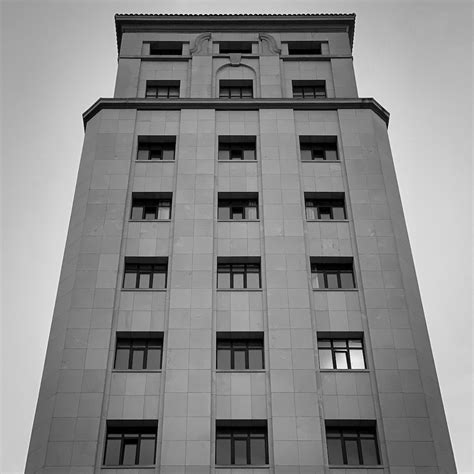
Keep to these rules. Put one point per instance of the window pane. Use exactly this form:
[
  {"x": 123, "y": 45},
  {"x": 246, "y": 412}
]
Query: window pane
[
  {"x": 147, "y": 451},
  {"x": 223, "y": 154},
  {"x": 237, "y": 213},
  {"x": 347, "y": 280},
  {"x": 255, "y": 359},
  {"x": 137, "y": 359},
  {"x": 357, "y": 359},
  {"x": 311, "y": 213},
  {"x": 325, "y": 213},
  {"x": 306, "y": 155},
  {"x": 223, "y": 359},
  {"x": 130, "y": 280},
  {"x": 238, "y": 280},
  {"x": 164, "y": 212},
  {"x": 355, "y": 343},
  {"x": 251, "y": 213},
  {"x": 168, "y": 154},
  {"x": 121, "y": 359},
  {"x": 335, "y": 451},
  {"x": 318, "y": 154},
  {"x": 223, "y": 280},
  {"x": 153, "y": 358},
  {"x": 331, "y": 155},
  {"x": 247, "y": 92},
  {"x": 325, "y": 359},
  {"x": 144, "y": 280},
  {"x": 112, "y": 452},
  {"x": 236, "y": 154},
  {"x": 318, "y": 280},
  {"x": 240, "y": 451},
  {"x": 239, "y": 360},
  {"x": 150, "y": 213},
  {"x": 223, "y": 451},
  {"x": 249, "y": 154},
  {"x": 223, "y": 213},
  {"x": 332, "y": 280},
  {"x": 129, "y": 451},
  {"x": 257, "y": 451},
  {"x": 137, "y": 212},
  {"x": 253, "y": 280},
  {"x": 338, "y": 213},
  {"x": 369, "y": 452},
  {"x": 341, "y": 360},
  {"x": 159, "y": 280},
  {"x": 352, "y": 452},
  {"x": 235, "y": 92}
]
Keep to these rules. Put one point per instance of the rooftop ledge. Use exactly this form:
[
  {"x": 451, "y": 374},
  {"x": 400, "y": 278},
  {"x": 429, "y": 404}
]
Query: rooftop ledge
[{"x": 237, "y": 104}]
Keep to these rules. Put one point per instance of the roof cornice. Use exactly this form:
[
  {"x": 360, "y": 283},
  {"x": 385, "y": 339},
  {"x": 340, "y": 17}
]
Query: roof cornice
[
  {"x": 237, "y": 104},
  {"x": 237, "y": 22}
]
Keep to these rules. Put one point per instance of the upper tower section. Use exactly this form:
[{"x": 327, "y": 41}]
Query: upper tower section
[{"x": 235, "y": 56}]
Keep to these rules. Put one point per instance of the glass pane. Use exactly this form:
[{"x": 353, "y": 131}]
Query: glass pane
[
  {"x": 223, "y": 451},
  {"x": 347, "y": 280},
  {"x": 236, "y": 154},
  {"x": 239, "y": 360},
  {"x": 352, "y": 452},
  {"x": 159, "y": 280},
  {"x": 240, "y": 451},
  {"x": 357, "y": 359},
  {"x": 324, "y": 343},
  {"x": 253, "y": 280},
  {"x": 223, "y": 154},
  {"x": 257, "y": 451},
  {"x": 223, "y": 359},
  {"x": 235, "y": 92},
  {"x": 162, "y": 92},
  {"x": 112, "y": 452},
  {"x": 318, "y": 154},
  {"x": 369, "y": 452},
  {"x": 335, "y": 451},
  {"x": 251, "y": 213},
  {"x": 147, "y": 451},
  {"x": 331, "y": 155},
  {"x": 338, "y": 213},
  {"x": 332, "y": 280},
  {"x": 156, "y": 154},
  {"x": 341, "y": 360},
  {"x": 255, "y": 359},
  {"x": 311, "y": 213},
  {"x": 339, "y": 343},
  {"x": 238, "y": 280},
  {"x": 153, "y": 358},
  {"x": 130, "y": 280},
  {"x": 325, "y": 213},
  {"x": 137, "y": 359},
  {"x": 164, "y": 213},
  {"x": 249, "y": 154},
  {"x": 297, "y": 92},
  {"x": 150, "y": 213},
  {"x": 247, "y": 92},
  {"x": 223, "y": 213},
  {"x": 318, "y": 280},
  {"x": 355, "y": 343},
  {"x": 121, "y": 359},
  {"x": 137, "y": 212},
  {"x": 168, "y": 154},
  {"x": 325, "y": 359},
  {"x": 174, "y": 92},
  {"x": 237, "y": 213},
  {"x": 144, "y": 280},
  {"x": 223, "y": 280},
  {"x": 306, "y": 155},
  {"x": 129, "y": 451}
]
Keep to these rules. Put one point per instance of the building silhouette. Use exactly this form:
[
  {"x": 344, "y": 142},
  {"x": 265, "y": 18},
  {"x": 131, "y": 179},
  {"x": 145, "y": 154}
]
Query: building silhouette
[{"x": 238, "y": 293}]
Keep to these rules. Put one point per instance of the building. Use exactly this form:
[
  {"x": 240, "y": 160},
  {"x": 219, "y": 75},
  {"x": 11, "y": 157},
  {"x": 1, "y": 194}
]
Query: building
[{"x": 238, "y": 293}]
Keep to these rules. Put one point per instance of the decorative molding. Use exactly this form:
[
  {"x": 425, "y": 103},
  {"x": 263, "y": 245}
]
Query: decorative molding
[
  {"x": 235, "y": 59},
  {"x": 271, "y": 43},
  {"x": 198, "y": 45}
]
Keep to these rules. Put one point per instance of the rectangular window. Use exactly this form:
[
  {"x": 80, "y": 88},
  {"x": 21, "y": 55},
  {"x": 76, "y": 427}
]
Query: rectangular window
[
  {"x": 240, "y": 351},
  {"x": 237, "y": 207},
  {"x": 332, "y": 273},
  {"x": 235, "y": 89},
  {"x": 156, "y": 148},
  {"x": 325, "y": 206},
  {"x": 229, "y": 47},
  {"x": 237, "y": 147},
  {"x": 318, "y": 148},
  {"x": 238, "y": 273},
  {"x": 166, "y": 48},
  {"x": 341, "y": 353},
  {"x": 130, "y": 443},
  {"x": 138, "y": 352},
  {"x": 151, "y": 206},
  {"x": 309, "y": 89},
  {"x": 304, "y": 47},
  {"x": 241, "y": 443},
  {"x": 162, "y": 89},
  {"x": 145, "y": 273},
  {"x": 352, "y": 445}
]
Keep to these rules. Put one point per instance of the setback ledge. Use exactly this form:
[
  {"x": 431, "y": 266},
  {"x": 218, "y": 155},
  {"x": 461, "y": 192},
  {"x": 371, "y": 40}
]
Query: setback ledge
[{"x": 236, "y": 104}]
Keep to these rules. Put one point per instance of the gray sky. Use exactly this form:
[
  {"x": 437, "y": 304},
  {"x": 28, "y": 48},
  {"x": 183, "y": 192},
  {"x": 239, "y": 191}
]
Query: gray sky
[{"x": 59, "y": 56}]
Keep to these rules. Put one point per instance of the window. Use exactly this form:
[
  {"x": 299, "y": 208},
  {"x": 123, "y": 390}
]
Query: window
[
  {"x": 304, "y": 47},
  {"x": 240, "y": 351},
  {"x": 151, "y": 206},
  {"x": 162, "y": 89},
  {"x": 241, "y": 442},
  {"x": 156, "y": 148},
  {"x": 340, "y": 352},
  {"x": 237, "y": 147},
  {"x": 138, "y": 352},
  {"x": 235, "y": 89},
  {"x": 145, "y": 273},
  {"x": 130, "y": 443},
  {"x": 309, "y": 89},
  {"x": 318, "y": 148},
  {"x": 352, "y": 445},
  {"x": 237, "y": 207},
  {"x": 166, "y": 48},
  {"x": 332, "y": 273},
  {"x": 229, "y": 47},
  {"x": 238, "y": 273},
  {"x": 325, "y": 206}
]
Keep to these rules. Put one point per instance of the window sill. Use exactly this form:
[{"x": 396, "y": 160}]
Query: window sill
[
  {"x": 237, "y": 161},
  {"x": 236, "y": 220},
  {"x": 133, "y": 466},
  {"x": 135, "y": 371},
  {"x": 347, "y": 371},
  {"x": 239, "y": 289},
  {"x": 239, "y": 371},
  {"x": 155, "y": 161},
  {"x": 149, "y": 220},
  {"x": 335, "y": 289},
  {"x": 242, "y": 466},
  {"x": 327, "y": 220},
  {"x": 145, "y": 289},
  {"x": 362, "y": 466}
]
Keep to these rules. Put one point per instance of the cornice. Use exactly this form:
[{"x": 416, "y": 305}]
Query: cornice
[{"x": 237, "y": 104}]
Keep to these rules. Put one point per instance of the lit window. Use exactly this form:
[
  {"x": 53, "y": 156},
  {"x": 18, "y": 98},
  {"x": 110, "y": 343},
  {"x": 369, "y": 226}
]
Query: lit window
[
  {"x": 237, "y": 147},
  {"x": 238, "y": 351},
  {"x": 238, "y": 273},
  {"x": 309, "y": 89},
  {"x": 156, "y": 148},
  {"x": 332, "y": 273},
  {"x": 341, "y": 353},
  {"x": 162, "y": 89},
  {"x": 231, "y": 89},
  {"x": 138, "y": 353},
  {"x": 146, "y": 207},
  {"x": 145, "y": 273},
  {"x": 318, "y": 148}
]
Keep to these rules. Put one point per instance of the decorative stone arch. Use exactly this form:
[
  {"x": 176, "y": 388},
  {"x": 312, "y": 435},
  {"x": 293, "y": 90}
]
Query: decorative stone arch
[{"x": 237, "y": 71}]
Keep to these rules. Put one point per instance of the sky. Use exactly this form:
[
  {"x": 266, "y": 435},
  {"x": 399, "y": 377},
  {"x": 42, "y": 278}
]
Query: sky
[{"x": 58, "y": 57}]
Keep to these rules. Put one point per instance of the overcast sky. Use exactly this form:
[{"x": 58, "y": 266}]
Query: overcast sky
[{"x": 59, "y": 56}]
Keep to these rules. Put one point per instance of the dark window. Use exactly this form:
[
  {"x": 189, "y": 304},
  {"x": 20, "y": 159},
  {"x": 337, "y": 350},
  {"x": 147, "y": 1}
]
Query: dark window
[
  {"x": 341, "y": 353},
  {"x": 356, "y": 446},
  {"x": 238, "y": 273},
  {"x": 145, "y": 273},
  {"x": 138, "y": 352},
  {"x": 147, "y": 207},
  {"x": 129, "y": 445},
  {"x": 309, "y": 89},
  {"x": 153, "y": 148},
  {"x": 238, "y": 207},
  {"x": 240, "y": 351},
  {"x": 162, "y": 89},
  {"x": 319, "y": 207},
  {"x": 332, "y": 273},
  {"x": 241, "y": 445},
  {"x": 229, "y": 47},
  {"x": 237, "y": 147},
  {"x": 230, "y": 89},
  {"x": 167, "y": 48},
  {"x": 304, "y": 47},
  {"x": 318, "y": 148}
]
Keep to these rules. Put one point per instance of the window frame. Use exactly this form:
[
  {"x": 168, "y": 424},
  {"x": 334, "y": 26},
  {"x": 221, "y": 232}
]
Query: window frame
[
  {"x": 237, "y": 203},
  {"x": 148, "y": 343},
  {"x": 232, "y": 344},
  {"x": 227, "y": 43},
  {"x": 296, "y": 48},
  {"x": 315, "y": 204},
  {"x": 336, "y": 268},
  {"x": 159, "y": 267},
  {"x": 231, "y": 264},
  {"x": 165, "y": 51},
  {"x": 238, "y": 85},
  {"x": 347, "y": 349},
  {"x": 173, "y": 89},
  {"x": 148, "y": 203},
  {"x": 155, "y": 143},
  {"x": 236, "y": 144},
  {"x": 315, "y": 89}
]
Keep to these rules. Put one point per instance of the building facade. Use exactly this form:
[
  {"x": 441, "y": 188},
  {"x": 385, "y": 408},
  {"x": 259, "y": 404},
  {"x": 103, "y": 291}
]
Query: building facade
[{"x": 238, "y": 293}]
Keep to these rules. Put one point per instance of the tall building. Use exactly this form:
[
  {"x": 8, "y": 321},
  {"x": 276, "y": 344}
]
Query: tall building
[{"x": 238, "y": 293}]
